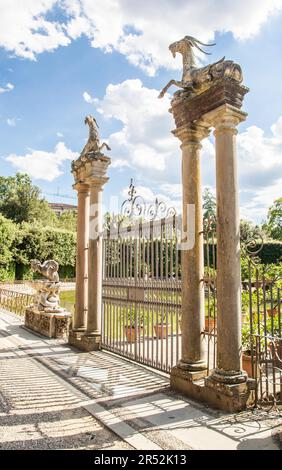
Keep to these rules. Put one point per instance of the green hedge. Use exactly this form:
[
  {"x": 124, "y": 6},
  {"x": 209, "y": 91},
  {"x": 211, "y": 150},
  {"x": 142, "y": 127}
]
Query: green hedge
[
  {"x": 271, "y": 252},
  {"x": 67, "y": 272},
  {"x": 8, "y": 272},
  {"x": 19, "y": 243}
]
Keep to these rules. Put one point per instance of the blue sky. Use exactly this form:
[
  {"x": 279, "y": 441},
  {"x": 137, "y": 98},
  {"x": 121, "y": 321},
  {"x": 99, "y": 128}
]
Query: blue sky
[{"x": 62, "y": 60}]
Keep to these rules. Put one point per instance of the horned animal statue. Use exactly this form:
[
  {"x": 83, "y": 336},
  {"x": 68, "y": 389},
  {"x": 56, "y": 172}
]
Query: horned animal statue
[
  {"x": 93, "y": 143},
  {"x": 196, "y": 80}
]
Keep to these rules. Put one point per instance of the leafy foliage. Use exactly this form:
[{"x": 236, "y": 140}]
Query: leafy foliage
[
  {"x": 7, "y": 237},
  {"x": 273, "y": 225},
  {"x": 20, "y": 200},
  {"x": 209, "y": 204}
]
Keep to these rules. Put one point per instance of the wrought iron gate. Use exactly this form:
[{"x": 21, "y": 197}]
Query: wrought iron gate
[
  {"x": 142, "y": 292},
  {"x": 262, "y": 331},
  {"x": 142, "y": 285}
]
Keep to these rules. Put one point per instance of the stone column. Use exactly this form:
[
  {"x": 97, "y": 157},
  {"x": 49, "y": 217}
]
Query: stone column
[
  {"x": 95, "y": 171},
  {"x": 95, "y": 261},
  {"x": 81, "y": 292},
  {"x": 229, "y": 349},
  {"x": 192, "y": 261}
]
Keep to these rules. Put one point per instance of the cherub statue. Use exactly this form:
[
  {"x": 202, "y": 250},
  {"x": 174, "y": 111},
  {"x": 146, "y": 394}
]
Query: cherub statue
[
  {"x": 48, "y": 269},
  {"x": 47, "y": 297}
]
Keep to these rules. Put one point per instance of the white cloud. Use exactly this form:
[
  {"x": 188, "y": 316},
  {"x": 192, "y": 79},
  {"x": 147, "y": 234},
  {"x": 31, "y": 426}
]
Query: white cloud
[
  {"x": 6, "y": 88},
  {"x": 88, "y": 98},
  {"x": 25, "y": 30},
  {"x": 146, "y": 146},
  {"x": 141, "y": 31},
  {"x": 43, "y": 165},
  {"x": 144, "y": 141},
  {"x": 11, "y": 122},
  {"x": 59, "y": 134}
]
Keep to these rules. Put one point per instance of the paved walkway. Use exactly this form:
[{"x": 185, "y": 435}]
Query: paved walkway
[{"x": 52, "y": 396}]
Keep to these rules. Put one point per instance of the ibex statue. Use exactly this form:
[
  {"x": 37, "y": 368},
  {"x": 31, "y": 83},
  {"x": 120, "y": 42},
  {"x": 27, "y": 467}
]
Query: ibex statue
[
  {"x": 93, "y": 143},
  {"x": 194, "y": 79}
]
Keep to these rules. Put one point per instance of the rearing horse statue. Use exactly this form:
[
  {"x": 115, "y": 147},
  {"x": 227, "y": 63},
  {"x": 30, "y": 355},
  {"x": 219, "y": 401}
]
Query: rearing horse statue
[
  {"x": 197, "y": 80},
  {"x": 93, "y": 143}
]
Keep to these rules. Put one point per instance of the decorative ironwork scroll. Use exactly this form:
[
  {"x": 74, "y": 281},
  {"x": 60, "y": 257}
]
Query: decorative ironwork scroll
[{"x": 135, "y": 207}]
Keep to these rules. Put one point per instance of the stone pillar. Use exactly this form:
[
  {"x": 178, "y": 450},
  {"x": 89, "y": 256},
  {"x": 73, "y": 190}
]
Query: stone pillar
[
  {"x": 81, "y": 293},
  {"x": 192, "y": 261},
  {"x": 95, "y": 178},
  {"x": 95, "y": 267},
  {"x": 229, "y": 349}
]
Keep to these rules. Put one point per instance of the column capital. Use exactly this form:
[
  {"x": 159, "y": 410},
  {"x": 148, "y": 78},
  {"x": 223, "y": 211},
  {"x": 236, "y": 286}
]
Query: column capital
[
  {"x": 192, "y": 134},
  {"x": 225, "y": 118},
  {"x": 97, "y": 182},
  {"x": 81, "y": 187}
]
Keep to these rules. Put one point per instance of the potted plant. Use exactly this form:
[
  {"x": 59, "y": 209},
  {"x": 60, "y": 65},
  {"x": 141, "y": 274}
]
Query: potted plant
[
  {"x": 274, "y": 340},
  {"x": 210, "y": 317},
  {"x": 249, "y": 346},
  {"x": 162, "y": 328},
  {"x": 133, "y": 329}
]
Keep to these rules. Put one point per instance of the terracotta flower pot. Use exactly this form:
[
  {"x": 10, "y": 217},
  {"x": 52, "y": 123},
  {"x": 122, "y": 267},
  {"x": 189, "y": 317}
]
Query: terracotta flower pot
[
  {"x": 133, "y": 334},
  {"x": 162, "y": 331},
  {"x": 272, "y": 312},
  {"x": 275, "y": 348},
  {"x": 210, "y": 324},
  {"x": 247, "y": 365}
]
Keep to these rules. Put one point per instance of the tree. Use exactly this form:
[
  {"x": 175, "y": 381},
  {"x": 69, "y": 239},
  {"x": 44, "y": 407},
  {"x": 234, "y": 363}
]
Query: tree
[
  {"x": 20, "y": 201},
  {"x": 68, "y": 220},
  {"x": 209, "y": 208},
  {"x": 8, "y": 232},
  {"x": 273, "y": 225},
  {"x": 209, "y": 204}
]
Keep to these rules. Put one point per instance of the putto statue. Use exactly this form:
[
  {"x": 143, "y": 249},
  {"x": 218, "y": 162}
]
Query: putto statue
[
  {"x": 47, "y": 296},
  {"x": 196, "y": 80},
  {"x": 93, "y": 143},
  {"x": 48, "y": 269}
]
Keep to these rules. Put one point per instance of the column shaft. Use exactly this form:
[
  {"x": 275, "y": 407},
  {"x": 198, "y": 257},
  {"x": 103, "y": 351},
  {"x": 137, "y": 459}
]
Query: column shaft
[
  {"x": 95, "y": 261},
  {"x": 81, "y": 293},
  {"x": 192, "y": 261},
  {"x": 228, "y": 283},
  {"x": 228, "y": 253}
]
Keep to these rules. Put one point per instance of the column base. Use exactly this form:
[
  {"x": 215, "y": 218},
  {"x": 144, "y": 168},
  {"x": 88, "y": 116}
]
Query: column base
[
  {"x": 85, "y": 341},
  {"x": 192, "y": 366},
  {"x": 75, "y": 336},
  {"x": 195, "y": 385},
  {"x": 228, "y": 377}
]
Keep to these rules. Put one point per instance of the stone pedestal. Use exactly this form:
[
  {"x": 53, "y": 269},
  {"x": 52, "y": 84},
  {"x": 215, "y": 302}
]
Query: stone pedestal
[
  {"x": 52, "y": 325},
  {"x": 227, "y": 397}
]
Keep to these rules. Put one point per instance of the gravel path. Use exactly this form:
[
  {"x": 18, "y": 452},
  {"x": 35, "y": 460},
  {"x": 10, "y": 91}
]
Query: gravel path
[
  {"x": 38, "y": 411},
  {"x": 54, "y": 397}
]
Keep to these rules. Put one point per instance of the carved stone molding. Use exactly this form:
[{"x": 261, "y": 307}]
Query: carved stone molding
[{"x": 187, "y": 110}]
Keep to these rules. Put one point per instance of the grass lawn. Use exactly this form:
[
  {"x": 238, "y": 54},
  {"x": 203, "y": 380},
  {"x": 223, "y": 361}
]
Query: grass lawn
[{"x": 67, "y": 299}]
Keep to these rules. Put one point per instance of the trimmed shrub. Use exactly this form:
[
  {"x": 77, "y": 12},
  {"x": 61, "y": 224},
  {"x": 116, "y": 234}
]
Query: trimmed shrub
[
  {"x": 7, "y": 272},
  {"x": 271, "y": 252}
]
